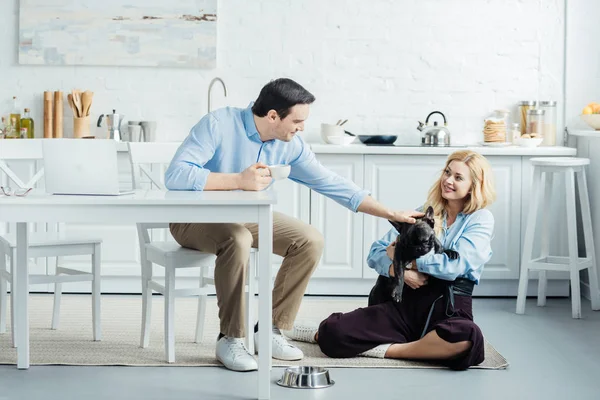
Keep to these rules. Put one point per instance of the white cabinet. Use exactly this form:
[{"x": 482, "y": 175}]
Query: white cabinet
[
  {"x": 293, "y": 199},
  {"x": 342, "y": 228},
  {"x": 506, "y": 243},
  {"x": 400, "y": 182},
  {"x": 403, "y": 182}
]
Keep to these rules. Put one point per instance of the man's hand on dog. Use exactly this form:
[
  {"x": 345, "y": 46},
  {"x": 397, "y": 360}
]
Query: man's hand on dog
[{"x": 406, "y": 216}]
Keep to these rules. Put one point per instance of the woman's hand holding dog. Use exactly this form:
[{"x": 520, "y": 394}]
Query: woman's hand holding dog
[{"x": 415, "y": 279}]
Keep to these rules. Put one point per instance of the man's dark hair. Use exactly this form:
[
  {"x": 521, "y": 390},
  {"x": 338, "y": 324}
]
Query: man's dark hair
[{"x": 281, "y": 95}]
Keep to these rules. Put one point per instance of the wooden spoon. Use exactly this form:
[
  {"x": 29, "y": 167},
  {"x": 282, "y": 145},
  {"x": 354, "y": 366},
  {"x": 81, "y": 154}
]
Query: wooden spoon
[
  {"x": 77, "y": 101},
  {"x": 72, "y": 104},
  {"x": 86, "y": 101}
]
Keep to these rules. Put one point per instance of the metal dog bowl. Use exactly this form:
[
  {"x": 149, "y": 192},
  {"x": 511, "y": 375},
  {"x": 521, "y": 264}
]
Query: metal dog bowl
[{"x": 305, "y": 378}]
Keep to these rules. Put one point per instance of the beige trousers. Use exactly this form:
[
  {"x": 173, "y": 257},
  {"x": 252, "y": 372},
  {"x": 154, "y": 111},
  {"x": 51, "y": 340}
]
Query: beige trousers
[{"x": 300, "y": 244}]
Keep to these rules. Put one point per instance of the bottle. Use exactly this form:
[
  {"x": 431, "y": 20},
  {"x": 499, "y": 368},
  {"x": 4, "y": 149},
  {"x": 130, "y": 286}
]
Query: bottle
[
  {"x": 515, "y": 132},
  {"x": 27, "y": 124},
  {"x": 11, "y": 132},
  {"x": 16, "y": 114}
]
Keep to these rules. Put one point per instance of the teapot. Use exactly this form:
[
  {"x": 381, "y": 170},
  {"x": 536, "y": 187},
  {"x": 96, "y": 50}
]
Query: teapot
[
  {"x": 434, "y": 135},
  {"x": 113, "y": 124}
]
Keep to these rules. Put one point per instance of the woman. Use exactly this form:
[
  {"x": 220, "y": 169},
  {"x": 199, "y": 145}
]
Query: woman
[{"x": 434, "y": 320}]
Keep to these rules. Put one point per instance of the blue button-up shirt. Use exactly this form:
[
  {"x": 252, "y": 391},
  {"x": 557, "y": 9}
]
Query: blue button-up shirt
[
  {"x": 227, "y": 141},
  {"x": 470, "y": 235}
]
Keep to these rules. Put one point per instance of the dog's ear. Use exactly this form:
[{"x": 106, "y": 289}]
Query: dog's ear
[
  {"x": 429, "y": 213},
  {"x": 397, "y": 225}
]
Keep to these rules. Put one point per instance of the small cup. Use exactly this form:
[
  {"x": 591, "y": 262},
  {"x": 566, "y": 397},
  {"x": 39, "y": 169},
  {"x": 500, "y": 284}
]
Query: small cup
[
  {"x": 135, "y": 133},
  {"x": 149, "y": 131},
  {"x": 279, "y": 171},
  {"x": 81, "y": 127}
]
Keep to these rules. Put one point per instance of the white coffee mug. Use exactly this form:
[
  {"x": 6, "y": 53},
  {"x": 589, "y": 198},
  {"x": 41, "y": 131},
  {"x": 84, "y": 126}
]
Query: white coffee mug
[{"x": 279, "y": 171}]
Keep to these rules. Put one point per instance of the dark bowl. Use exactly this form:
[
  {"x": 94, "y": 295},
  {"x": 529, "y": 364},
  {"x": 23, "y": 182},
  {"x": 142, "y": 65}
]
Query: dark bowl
[{"x": 377, "y": 139}]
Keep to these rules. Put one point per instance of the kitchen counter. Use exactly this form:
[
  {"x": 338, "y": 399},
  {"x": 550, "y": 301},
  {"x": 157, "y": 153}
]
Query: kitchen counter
[
  {"x": 320, "y": 148},
  {"x": 418, "y": 150}
]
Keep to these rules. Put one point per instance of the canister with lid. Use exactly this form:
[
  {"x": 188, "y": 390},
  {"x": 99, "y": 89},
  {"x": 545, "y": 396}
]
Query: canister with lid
[
  {"x": 549, "y": 108},
  {"x": 535, "y": 123},
  {"x": 525, "y": 106}
]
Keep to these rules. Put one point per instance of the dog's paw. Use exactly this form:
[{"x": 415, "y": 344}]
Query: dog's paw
[
  {"x": 453, "y": 255},
  {"x": 397, "y": 295}
]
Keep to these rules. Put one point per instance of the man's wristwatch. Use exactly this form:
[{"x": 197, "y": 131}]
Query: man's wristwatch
[{"x": 412, "y": 265}]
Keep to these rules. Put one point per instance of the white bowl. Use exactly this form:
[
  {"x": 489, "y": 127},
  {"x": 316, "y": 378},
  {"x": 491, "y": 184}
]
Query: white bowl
[
  {"x": 593, "y": 120},
  {"x": 331, "y": 130},
  {"x": 279, "y": 171},
  {"x": 341, "y": 140},
  {"x": 529, "y": 142}
]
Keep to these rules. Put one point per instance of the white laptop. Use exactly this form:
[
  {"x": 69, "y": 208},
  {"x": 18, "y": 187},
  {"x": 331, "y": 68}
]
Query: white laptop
[{"x": 81, "y": 167}]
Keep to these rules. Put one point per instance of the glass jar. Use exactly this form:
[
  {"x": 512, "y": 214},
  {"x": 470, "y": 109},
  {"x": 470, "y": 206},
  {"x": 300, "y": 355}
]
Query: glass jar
[
  {"x": 525, "y": 106},
  {"x": 495, "y": 127},
  {"x": 535, "y": 123},
  {"x": 549, "y": 108},
  {"x": 515, "y": 132}
]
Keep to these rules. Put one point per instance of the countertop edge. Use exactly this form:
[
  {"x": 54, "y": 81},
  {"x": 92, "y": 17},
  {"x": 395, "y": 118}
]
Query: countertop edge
[{"x": 320, "y": 148}]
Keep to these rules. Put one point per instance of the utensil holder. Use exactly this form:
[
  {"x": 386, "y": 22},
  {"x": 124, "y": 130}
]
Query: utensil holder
[{"x": 81, "y": 127}]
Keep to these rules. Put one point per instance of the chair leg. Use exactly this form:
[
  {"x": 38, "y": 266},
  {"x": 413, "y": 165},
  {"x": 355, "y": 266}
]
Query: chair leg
[
  {"x": 572, "y": 239},
  {"x": 250, "y": 305},
  {"x": 545, "y": 236},
  {"x": 590, "y": 250},
  {"x": 146, "y": 302},
  {"x": 528, "y": 245},
  {"x": 170, "y": 313},
  {"x": 57, "y": 297},
  {"x": 13, "y": 303},
  {"x": 201, "y": 316},
  {"x": 97, "y": 291},
  {"x": 3, "y": 292}
]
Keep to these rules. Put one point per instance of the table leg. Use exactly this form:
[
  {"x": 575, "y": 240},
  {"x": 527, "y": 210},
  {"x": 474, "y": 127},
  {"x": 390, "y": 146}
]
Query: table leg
[
  {"x": 265, "y": 300},
  {"x": 22, "y": 297}
]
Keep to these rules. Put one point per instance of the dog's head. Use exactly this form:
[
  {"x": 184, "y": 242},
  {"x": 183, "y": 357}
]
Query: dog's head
[{"x": 415, "y": 240}]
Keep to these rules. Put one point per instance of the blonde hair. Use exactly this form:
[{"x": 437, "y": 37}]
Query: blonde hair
[{"x": 482, "y": 192}]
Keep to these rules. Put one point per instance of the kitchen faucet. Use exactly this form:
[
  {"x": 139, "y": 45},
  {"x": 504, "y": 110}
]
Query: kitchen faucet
[{"x": 210, "y": 89}]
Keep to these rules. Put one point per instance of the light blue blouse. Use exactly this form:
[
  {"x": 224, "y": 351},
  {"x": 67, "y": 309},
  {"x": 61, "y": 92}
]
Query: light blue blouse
[{"x": 470, "y": 235}]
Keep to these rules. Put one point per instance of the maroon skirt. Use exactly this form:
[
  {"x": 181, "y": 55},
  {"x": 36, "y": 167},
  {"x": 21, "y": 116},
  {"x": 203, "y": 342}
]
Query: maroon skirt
[{"x": 347, "y": 335}]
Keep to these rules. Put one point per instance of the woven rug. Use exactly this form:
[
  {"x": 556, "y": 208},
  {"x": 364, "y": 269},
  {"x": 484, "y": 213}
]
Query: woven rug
[{"x": 72, "y": 343}]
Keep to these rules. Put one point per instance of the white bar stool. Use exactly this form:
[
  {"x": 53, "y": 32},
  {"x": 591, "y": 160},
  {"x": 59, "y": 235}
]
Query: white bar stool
[{"x": 543, "y": 171}]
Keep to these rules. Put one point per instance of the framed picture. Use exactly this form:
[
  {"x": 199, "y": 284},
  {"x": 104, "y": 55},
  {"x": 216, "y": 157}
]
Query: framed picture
[{"x": 153, "y": 33}]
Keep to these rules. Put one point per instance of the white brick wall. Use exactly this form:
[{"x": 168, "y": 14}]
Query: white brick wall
[{"x": 384, "y": 64}]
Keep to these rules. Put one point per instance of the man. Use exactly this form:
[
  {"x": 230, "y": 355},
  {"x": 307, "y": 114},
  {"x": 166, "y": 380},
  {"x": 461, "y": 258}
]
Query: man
[{"x": 229, "y": 149}]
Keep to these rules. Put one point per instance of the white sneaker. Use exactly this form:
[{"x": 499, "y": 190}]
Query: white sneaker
[
  {"x": 303, "y": 332},
  {"x": 281, "y": 349},
  {"x": 234, "y": 355}
]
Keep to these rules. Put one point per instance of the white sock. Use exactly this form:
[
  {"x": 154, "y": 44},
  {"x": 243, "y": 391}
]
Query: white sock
[{"x": 377, "y": 352}]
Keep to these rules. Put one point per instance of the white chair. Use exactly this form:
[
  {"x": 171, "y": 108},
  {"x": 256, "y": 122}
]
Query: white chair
[
  {"x": 43, "y": 243},
  {"x": 148, "y": 161},
  {"x": 543, "y": 170}
]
